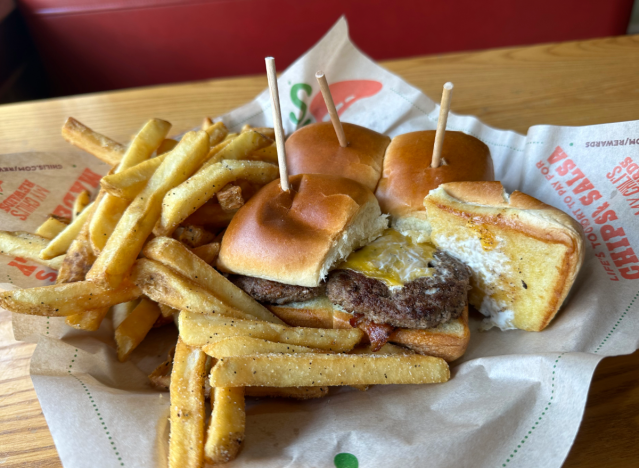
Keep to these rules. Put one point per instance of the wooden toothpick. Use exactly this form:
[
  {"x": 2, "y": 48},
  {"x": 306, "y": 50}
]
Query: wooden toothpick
[
  {"x": 441, "y": 125},
  {"x": 277, "y": 122},
  {"x": 332, "y": 111}
]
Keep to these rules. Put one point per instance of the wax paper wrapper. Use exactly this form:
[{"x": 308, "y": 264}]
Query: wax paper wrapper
[{"x": 515, "y": 399}]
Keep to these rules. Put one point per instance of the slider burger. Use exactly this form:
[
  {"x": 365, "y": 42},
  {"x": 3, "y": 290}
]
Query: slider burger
[
  {"x": 297, "y": 253},
  {"x": 315, "y": 149},
  {"x": 407, "y": 175}
]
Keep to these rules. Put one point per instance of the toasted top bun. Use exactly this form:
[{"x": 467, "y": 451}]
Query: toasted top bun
[
  {"x": 407, "y": 176},
  {"x": 314, "y": 149},
  {"x": 296, "y": 237},
  {"x": 524, "y": 255}
]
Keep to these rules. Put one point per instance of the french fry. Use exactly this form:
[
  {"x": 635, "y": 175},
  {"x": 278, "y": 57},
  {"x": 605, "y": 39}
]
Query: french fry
[
  {"x": 89, "y": 321},
  {"x": 208, "y": 252},
  {"x": 279, "y": 370},
  {"x": 240, "y": 146},
  {"x": 297, "y": 393},
  {"x": 267, "y": 154},
  {"x": 27, "y": 246},
  {"x": 200, "y": 330},
  {"x": 186, "y": 198},
  {"x": 180, "y": 259},
  {"x": 219, "y": 147},
  {"x": 128, "y": 183},
  {"x": 268, "y": 132},
  {"x": 110, "y": 208},
  {"x": 135, "y": 327},
  {"x": 81, "y": 202},
  {"x": 230, "y": 198},
  {"x": 187, "y": 413},
  {"x": 61, "y": 243},
  {"x": 122, "y": 311},
  {"x": 60, "y": 300},
  {"x": 193, "y": 236},
  {"x": 217, "y": 132},
  {"x": 210, "y": 215},
  {"x": 206, "y": 123},
  {"x": 53, "y": 226},
  {"x": 167, "y": 311},
  {"x": 388, "y": 348},
  {"x": 245, "y": 345},
  {"x": 160, "y": 378},
  {"x": 138, "y": 220},
  {"x": 165, "y": 286},
  {"x": 167, "y": 145},
  {"x": 103, "y": 148},
  {"x": 79, "y": 258},
  {"x": 225, "y": 436}
]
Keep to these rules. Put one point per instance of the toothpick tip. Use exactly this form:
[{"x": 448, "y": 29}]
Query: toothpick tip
[
  {"x": 319, "y": 74},
  {"x": 448, "y": 85}
]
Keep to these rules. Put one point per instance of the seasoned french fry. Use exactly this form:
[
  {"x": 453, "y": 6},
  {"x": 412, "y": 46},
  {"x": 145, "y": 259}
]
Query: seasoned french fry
[
  {"x": 89, "y": 321},
  {"x": 208, "y": 252},
  {"x": 200, "y": 330},
  {"x": 245, "y": 345},
  {"x": 268, "y": 132},
  {"x": 219, "y": 147},
  {"x": 241, "y": 146},
  {"x": 128, "y": 183},
  {"x": 53, "y": 226},
  {"x": 160, "y": 378},
  {"x": 60, "y": 300},
  {"x": 230, "y": 136},
  {"x": 268, "y": 154},
  {"x": 61, "y": 243},
  {"x": 167, "y": 311},
  {"x": 230, "y": 198},
  {"x": 165, "y": 286},
  {"x": 186, "y": 441},
  {"x": 180, "y": 259},
  {"x": 134, "y": 328},
  {"x": 27, "y": 246},
  {"x": 297, "y": 393},
  {"x": 79, "y": 258},
  {"x": 210, "y": 215},
  {"x": 217, "y": 132},
  {"x": 122, "y": 311},
  {"x": 226, "y": 430},
  {"x": 186, "y": 198},
  {"x": 81, "y": 202},
  {"x": 138, "y": 220},
  {"x": 279, "y": 370},
  {"x": 110, "y": 208},
  {"x": 103, "y": 148},
  {"x": 167, "y": 145},
  {"x": 193, "y": 236},
  {"x": 206, "y": 123}
]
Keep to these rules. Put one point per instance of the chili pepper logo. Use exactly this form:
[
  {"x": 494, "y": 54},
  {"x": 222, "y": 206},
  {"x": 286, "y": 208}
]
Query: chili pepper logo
[{"x": 345, "y": 94}]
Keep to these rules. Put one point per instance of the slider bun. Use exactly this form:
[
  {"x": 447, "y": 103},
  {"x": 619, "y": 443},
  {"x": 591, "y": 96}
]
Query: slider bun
[
  {"x": 447, "y": 341},
  {"x": 314, "y": 149},
  {"x": 524, "y": 255},
  {"x": 296, "y": 237},
  {"x": 407, "y": 176}
]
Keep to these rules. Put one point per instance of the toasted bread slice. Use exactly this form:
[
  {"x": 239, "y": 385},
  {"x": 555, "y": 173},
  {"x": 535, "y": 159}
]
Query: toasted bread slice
[
  {"x": 447, "y": 341},
  {"x": 524, "y": 255}
]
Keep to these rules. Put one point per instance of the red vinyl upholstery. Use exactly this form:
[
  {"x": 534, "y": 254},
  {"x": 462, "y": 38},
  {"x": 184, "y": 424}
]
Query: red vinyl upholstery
[{"x": 93, "y": 45}]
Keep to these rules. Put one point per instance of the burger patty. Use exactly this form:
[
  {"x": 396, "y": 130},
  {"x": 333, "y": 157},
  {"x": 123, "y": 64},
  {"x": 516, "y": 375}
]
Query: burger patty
[
  {"x": 273, "y": 292},
  {"x": 423, "y": 303}
]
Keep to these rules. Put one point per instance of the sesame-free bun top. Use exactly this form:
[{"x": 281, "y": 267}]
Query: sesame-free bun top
[
  {"x": 314, "y": 149},
  {"x": 295, "y": 237},
  {"x": 407, "y": 176}
]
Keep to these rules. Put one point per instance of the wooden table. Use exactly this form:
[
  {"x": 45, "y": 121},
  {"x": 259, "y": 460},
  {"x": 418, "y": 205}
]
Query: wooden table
[{"x": 574, "y": 83}]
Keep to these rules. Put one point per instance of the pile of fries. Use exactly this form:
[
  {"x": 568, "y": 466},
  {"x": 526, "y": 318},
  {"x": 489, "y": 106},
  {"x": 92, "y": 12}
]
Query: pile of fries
[{"x": 144, "y": 248}]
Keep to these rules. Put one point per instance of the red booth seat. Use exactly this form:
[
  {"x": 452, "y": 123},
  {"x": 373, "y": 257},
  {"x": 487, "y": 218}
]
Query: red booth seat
[{"x": 97, "y": 45}]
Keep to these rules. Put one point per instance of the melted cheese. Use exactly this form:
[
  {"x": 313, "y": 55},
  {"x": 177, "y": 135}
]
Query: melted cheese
[{"x": 392, "y": 258}]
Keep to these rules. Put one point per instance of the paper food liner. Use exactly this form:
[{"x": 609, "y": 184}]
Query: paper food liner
[{"x": 515, "y": 399}]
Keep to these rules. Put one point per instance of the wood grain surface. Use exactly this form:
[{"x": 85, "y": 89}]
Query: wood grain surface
[{"x": 575, "y": 83}]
